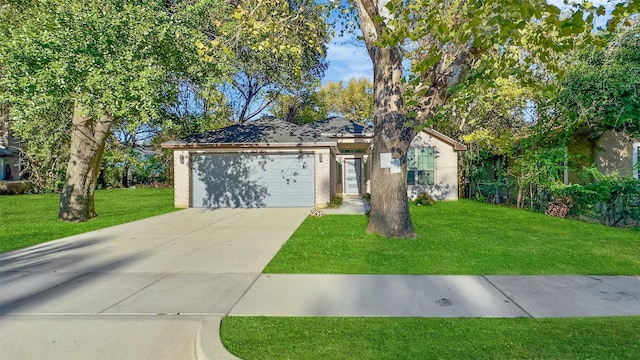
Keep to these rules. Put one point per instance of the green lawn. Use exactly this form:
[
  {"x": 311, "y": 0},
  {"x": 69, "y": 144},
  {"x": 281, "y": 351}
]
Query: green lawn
[
  {"x": 453, "y": 238},
  {"x": 31, "y": 219},
  {"x": 462, "y": 237},
  {"x": 410, "y": 338}
]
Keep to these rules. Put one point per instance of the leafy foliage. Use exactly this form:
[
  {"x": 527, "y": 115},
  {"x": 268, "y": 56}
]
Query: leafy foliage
[
  {"x": 424, "y": 199},
  {"x": 277, "y": 47},
  {"x": 111, "y": 62},
  {"x": 600, "y": 87},
  {"x": 612, "y": 199},
  {"x": 353, "y": 101},
  {"x": 300, "y": 106}
]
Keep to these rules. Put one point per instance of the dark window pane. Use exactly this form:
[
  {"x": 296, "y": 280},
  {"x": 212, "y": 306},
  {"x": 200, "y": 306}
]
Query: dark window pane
[{"x": 411, "y": 177}]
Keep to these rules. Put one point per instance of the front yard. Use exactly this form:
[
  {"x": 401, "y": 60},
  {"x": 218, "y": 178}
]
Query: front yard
[
  {"x": 462, "y": 238},
  {"x": 31, "y": 219},
  {"x": 453, "y": 238}
]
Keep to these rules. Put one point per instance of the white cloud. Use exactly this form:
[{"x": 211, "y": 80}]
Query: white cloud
[{"x": 347, "y": 61}]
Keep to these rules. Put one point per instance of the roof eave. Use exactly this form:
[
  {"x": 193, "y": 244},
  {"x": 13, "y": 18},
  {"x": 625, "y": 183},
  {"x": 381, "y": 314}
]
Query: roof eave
[
  {"x": 179, "y": 145},
  {"x": 457, "y": 146}
]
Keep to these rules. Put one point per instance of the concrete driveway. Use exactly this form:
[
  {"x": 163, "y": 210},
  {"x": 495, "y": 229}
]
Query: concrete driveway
[{"x": 149, "y": 289}]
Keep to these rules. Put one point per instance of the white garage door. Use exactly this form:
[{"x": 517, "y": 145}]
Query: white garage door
[{"x": 252, "y": 180}]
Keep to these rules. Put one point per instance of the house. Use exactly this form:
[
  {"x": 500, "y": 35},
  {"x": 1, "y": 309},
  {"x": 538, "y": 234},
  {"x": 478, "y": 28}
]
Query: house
[
  {"x": 611, "y": 152},
  {"x": 433, "y": 166},
  {"x": 9, "y": 156},
  {"x": 273, "y": 163}
]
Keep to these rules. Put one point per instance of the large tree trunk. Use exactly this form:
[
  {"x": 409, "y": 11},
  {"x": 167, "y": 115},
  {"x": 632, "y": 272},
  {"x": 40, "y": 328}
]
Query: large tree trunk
[
  {"x": 389, "y": 204},
  {"x": 392, "y": 134},
  {"x": 88, "y": 139}
]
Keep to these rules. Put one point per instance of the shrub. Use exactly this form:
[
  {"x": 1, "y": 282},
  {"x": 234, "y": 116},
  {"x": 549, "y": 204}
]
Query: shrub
[
  {"x": 424, "y": 199},
  {"x": 335, "y": 203},
  {"x": 611, "y": 199}
]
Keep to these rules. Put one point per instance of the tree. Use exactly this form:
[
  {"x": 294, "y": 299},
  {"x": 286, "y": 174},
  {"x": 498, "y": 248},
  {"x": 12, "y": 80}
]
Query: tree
[
  {"x": 279, "y": 47},
  {"x": 450, "y": 43},
  {"x": 355, "y": 101},
  {"x": 301, "y": 107},
  {"x": 600, "y": 89},
  {"x": 110, "y": 60}
]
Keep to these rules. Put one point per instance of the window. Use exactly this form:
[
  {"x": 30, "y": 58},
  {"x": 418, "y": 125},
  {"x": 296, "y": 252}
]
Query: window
[
  {"x": 421, "y": 166},
  {"x": 636, "y": 160}
]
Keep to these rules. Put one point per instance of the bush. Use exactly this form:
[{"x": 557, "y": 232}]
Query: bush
[
  {"x": 424, "y": 199},
  {"x": 335, "y": 203},
  {"x": 337, "y": 200},
  {"x": 611, "y": 199}
]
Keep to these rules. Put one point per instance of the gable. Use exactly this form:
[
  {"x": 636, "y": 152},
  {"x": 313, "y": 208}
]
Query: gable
[{"x": 433, "y": 138}]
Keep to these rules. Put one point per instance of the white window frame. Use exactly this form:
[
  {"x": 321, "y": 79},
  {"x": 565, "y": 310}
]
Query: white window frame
[
  {"x": 416, "y": 151},
  {"x": 634, "y": 161}
]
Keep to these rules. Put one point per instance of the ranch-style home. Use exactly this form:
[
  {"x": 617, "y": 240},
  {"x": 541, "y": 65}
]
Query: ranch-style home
[{"x": 273, "y": 163}]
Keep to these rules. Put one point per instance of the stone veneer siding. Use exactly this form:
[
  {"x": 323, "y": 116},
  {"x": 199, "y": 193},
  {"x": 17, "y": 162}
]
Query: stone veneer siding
[
  {"x": 181, "y": 178},
  {"x": 323, "y": 177}
]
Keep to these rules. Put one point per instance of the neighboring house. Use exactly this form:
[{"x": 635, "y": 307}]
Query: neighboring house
[
  {"x": 611, "y": 152},
  {"x": 9, "y": 156},
  {"x": 273, "y": 163}
]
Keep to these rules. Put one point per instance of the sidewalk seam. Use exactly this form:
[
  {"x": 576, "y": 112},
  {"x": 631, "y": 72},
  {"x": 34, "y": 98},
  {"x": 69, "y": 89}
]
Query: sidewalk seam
[
  {"x": 134, "y": 293},
  {"x": 507, "y": 296},
  {"x": 602, "y": 282}
]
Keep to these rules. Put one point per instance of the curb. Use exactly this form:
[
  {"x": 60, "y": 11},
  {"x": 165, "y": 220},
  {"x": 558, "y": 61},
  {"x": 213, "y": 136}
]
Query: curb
[{"x": 208, "y": 343}]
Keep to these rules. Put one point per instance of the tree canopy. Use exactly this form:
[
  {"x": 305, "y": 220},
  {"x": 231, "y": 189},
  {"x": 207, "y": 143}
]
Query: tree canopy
[
  {"x": 353, "y": 101},
  {"x": 601, "y": 87},
  {"x": 101, "y": 62},
  {"x": 279, "y": 46},
  {"x": 450, "y": 45}
]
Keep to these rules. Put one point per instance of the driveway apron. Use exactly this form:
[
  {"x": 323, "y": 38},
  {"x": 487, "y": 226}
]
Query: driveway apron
[{"x": 142, "y": 290}]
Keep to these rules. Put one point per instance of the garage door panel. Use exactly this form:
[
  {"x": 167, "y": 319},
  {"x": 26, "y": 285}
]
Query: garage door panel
[{"x": 252, "y": 180}]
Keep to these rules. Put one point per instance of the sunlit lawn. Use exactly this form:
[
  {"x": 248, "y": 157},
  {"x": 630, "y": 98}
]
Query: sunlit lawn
[
  {"x": 31, "y": 219},
  {"x": 431, "y": 338},
  {"x": 453, "y": 238},
  {"x": 462, "y": 237}
]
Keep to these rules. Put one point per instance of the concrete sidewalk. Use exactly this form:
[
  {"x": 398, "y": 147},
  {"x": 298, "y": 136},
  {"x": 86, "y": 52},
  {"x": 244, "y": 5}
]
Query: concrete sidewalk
[
  {"x": 441, "y": 296},
  {"x": 351, "y": 205}
]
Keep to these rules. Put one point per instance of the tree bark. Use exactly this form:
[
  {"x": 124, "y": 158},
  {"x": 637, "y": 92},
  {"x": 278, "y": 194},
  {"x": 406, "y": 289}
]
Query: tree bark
[
  {"x": 392, "y": 132},
  {"x": 389, "y": 204},
  {"x": 88, "y": 139}
]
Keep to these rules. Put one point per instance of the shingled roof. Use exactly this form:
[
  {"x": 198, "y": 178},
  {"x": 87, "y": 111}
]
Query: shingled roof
[
  {"x": 341, "y": 127},
  {"x": 270, "y": 131}
]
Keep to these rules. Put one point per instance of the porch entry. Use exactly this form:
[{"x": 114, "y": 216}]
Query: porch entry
[{"x": 352, "y": 176}]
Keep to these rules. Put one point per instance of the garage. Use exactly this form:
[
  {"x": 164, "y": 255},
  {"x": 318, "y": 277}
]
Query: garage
[{"x": 252, "y": 180}]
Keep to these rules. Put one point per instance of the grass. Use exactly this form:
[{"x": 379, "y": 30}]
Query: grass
[
  {"x": 32, "y": 219},
  {"x": 453, "y": 238},
  {"x": 429, "y": 338},
  {"x": 462, "y": 237}
]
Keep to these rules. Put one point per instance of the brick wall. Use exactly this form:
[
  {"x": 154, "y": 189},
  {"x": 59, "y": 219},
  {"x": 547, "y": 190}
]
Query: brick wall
[
  {"x": 323, "y": 176},
  {"x": 181, "y": 178}
]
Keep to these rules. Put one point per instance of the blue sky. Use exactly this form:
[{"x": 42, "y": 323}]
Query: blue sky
[{"x": 348, "y": 60}]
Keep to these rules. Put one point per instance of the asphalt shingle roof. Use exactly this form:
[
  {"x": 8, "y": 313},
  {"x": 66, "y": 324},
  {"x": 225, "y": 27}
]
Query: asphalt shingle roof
[
  {"x": 339, "y": 126},
  {"x": 270, "y": 130}
]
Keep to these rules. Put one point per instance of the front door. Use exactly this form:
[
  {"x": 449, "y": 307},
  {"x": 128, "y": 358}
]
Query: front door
[{"x": 352, "y": 176}]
